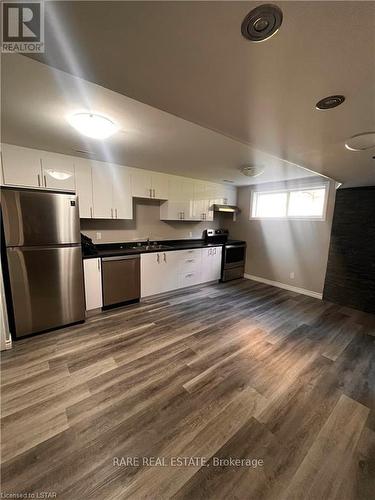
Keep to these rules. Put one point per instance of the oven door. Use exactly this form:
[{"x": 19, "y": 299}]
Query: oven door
[{"x": 234, "y": 256}]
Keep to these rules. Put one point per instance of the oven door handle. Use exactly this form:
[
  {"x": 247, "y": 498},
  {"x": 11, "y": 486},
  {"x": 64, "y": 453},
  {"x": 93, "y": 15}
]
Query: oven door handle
[{"x": 236, "y": 246}]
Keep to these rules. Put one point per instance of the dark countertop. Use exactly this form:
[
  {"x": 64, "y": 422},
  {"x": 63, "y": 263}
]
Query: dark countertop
[{"x": 115, "y": 249}]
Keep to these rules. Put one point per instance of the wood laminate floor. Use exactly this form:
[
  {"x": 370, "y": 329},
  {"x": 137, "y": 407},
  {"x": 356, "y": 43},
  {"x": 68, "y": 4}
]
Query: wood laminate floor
[{"x": 238, "y": 370}]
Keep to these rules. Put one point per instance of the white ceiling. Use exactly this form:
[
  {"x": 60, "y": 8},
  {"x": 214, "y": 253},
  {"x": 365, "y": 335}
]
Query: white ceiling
[
  {"x": 37, "y": 99},
  {"x": 189, "y": 59}
]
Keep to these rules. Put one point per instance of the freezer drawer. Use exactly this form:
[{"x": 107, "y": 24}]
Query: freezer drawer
[
  {"x": 39, "y": 218},
  {"x": 121, "y": 279},
  {"x": 46, "y": 287}
]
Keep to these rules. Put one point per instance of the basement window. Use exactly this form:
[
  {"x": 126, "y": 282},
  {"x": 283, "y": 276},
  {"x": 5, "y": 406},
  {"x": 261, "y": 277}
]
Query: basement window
[{"x": 304, "y": 203}]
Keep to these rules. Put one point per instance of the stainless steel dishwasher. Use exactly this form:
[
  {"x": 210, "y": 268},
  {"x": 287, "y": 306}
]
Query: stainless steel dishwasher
[{"x": 121, "y": 279}]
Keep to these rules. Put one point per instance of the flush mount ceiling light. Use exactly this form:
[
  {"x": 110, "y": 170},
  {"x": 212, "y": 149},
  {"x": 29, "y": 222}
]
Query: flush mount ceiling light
[
  {"x": 251, "y": 171},
  {"x": 332, "y": 101},
  {"x": 93, "y": 125},
  {"x": 262, "y": 22},
  {"x": 361, "y": 142}
]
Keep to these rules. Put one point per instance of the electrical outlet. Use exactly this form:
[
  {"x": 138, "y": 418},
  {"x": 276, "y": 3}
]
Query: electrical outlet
[
  {"x": 98, "y": 236},
  {"x": 291, "y": 275}
]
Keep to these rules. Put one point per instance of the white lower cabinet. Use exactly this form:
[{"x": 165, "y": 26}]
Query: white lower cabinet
[
  {"x": 165, "y": 271},
  {"x": 92, "y": 271},
  {"x": 211, "y": 264},
  {"x": 159, "y": 273}
]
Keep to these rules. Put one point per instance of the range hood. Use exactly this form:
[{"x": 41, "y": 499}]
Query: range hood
[{"x": 226, "y": 208}]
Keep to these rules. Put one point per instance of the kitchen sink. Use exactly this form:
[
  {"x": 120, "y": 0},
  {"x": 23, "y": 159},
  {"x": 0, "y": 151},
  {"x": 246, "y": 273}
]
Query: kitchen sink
[{"x": 151, "y": 247}]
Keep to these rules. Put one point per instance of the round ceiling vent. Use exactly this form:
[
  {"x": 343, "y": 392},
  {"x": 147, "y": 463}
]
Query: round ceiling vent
[
  {"x": 361, "y": 142},
  {"x": 262, "y": 22},
  {"x": 251, "y": 171},
  {"x": 330, "y": 102}
]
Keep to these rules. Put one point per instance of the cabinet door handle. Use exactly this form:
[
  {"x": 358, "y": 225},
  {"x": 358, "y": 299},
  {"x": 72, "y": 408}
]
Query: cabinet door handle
[
  {"x": 189, "y": 275},
  {"x": 190, "y": 260},
  {"x": 183, "y": 215},
  {"x": 153, "y": 191},
  {"x": 158, "y": 258},
  {"x": 91, "y": 212},
  {"x": 150, "y": 190},
  {"x": 116, "y": 212},
  {"x": 45, "y": 181},
  {"x": 99, "y": 265},
  {"x": 214, "y": 251},
  {"x": 39, "y": 180},
  {"x": 165, "y": 257},
  {"x": 111, "y": 213}
]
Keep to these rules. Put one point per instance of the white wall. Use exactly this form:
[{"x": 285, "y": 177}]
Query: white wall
[{"x": 275, "y": 248}]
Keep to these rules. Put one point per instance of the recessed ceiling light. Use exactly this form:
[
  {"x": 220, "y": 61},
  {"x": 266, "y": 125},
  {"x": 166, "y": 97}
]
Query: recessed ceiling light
[
  {"x": 262, "y": 22},
  {"x": 361, "y": 142},
  {"x": 251, "y": 171},
  {"x": 332, "y": 101},
  {"x": 93, "y": 125}
]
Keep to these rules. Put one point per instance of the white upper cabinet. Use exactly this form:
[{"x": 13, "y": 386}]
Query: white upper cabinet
[
  {"x": 146, "y": 184},
  {"x": 141, "y": 184},
  {"x": 84, "y": 187},
  {"x": 58, "y": 171},
  {"x": 111, "y": 191},
  {"x": 180, "y": 200},
  {"x": 106, "y": 191},
  {"x": 203, "y": 193},
  {"x": 102, "y": 190},
  {"x": 159, "y": 186},
  {"x": 122, "y": 193},
  {"x": 230, "y": 195},
  {"x": 21, "y": 166}
]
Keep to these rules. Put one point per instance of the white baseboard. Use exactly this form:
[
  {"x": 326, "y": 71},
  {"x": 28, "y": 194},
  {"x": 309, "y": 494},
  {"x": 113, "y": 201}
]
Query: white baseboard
[{"x": 303, "y": 291}]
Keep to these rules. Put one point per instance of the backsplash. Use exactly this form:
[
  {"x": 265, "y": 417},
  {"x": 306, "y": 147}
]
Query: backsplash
[{"x": 146, "y": 224}]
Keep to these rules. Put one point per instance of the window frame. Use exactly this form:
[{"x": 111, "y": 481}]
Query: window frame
[{"x": 288, "y": 190}]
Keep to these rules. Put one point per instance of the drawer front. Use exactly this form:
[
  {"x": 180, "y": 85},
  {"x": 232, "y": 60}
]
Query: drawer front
[
  {"x": 190, "y": 264},
  {"x": 188, "y": 279},
  {"x": 194, "y": 253}
]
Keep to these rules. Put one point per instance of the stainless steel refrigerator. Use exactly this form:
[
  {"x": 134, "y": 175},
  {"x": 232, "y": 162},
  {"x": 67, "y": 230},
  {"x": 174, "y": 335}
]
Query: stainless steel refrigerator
[{"x": 44, "y": 262}]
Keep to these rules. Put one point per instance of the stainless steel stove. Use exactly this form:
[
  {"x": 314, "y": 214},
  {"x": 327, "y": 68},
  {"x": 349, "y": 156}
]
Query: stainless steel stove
[{"x": 234, "y": 253}]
